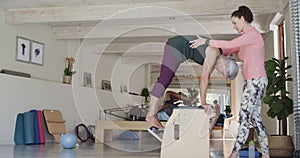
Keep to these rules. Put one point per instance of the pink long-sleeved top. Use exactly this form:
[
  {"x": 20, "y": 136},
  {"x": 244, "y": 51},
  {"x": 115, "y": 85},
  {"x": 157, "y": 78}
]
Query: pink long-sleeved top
[{"x": 250, "y": 49}]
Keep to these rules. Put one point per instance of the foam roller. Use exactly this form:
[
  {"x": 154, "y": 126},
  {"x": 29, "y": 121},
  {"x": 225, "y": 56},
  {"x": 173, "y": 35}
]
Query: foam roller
[
  {"x": 19, "y": 130},
  {"x": 36, "y": 127},
  {"x": 28, "y": 128}
]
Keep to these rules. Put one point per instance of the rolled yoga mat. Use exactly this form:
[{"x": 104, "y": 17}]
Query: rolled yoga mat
[
  {"x": 19, "y": 130},
  {"x": 28, "y": 128},
  {"x": 36, "y": 127},
  {"x": 41, "y": 126}
]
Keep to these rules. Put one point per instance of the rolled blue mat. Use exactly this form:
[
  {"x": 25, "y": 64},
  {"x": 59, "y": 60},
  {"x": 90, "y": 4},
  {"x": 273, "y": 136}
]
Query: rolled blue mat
[
  {"x": 36, "y": 127},
  {"x": 28, "y": 128},
  {"x": 19, "y": 130}
]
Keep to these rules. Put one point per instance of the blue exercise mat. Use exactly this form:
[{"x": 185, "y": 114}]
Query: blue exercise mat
[
  {"x": 41, "y": 127},
  {"x": 36, "y": 127},
  {"x": 28, "y": 128},
  {"x": 19, "y": 130},
  {"x": 244, "y": 153}
]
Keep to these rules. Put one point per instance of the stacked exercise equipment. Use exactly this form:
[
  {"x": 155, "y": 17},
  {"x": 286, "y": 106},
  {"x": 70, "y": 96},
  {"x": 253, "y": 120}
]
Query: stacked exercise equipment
[{"x": 29, "y": 128}]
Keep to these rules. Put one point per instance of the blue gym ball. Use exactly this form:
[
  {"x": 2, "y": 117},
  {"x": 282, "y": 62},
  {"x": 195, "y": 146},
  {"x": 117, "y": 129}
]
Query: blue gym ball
[{"x": 68, "y": 141}]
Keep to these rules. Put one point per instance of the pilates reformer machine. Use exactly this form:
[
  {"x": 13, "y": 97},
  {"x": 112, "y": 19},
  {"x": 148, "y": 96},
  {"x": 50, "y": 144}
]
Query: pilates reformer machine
[{"x": 128, "y": 113}]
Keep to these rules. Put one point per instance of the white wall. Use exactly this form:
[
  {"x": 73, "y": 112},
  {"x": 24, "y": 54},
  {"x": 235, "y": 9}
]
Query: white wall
[
  {"x": 19, "y": 95},
  {"x": 55, "y": 51},
  {"x": 22, "y": 94},
  {"x": 288, "y": 50},
  {"x": 91, "y": 102},
  {"x": 77, "y": 104},
  {"x": 105, "y": 67},
  {"x": 45, "y": 89},
  {"x": 269, "y": 123}
]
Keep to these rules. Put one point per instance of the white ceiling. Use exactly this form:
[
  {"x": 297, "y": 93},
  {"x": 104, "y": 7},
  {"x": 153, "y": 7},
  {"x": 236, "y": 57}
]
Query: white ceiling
[
  {"x": 136, "y": 27},
  {"x": 75, "y": 18},
  {"x": 136, "y": 21}
]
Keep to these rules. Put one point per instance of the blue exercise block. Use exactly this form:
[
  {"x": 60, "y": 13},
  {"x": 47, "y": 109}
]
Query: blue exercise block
[{"x": 244, "y": 153}]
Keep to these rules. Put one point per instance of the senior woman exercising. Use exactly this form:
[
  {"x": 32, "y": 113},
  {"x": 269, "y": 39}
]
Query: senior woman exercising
[
  {"x": 177, "y": 50},
  {"x": 250, "y": 48}
]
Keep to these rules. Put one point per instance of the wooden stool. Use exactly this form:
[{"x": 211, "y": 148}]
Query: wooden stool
[{"x": 218, "y": 128}]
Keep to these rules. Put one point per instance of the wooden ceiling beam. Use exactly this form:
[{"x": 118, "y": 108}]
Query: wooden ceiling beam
[
  {"x": 130, "y": 46},
  {"x": 157, "y": 27},
  {"x": 137, "y": 10}
]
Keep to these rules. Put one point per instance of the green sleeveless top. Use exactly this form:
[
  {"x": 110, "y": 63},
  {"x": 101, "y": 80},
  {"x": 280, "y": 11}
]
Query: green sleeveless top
[{"x": 180, "y": 48}]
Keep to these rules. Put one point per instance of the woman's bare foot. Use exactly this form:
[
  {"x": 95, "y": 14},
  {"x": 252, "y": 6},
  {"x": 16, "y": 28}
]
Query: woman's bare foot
[
  {"x": 265, "y": 156},
  {"x": 153, "y": 120}
]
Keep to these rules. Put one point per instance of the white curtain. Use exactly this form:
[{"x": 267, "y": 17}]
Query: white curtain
[{"x": 295, "y": 18}]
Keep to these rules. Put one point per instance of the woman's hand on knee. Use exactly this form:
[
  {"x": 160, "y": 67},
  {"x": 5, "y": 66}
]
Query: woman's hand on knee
[{"x": 197, "y": 42}]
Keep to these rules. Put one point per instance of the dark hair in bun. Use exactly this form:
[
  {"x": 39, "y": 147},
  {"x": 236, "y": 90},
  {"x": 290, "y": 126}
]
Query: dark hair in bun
[{"x": 245, "y": 12}]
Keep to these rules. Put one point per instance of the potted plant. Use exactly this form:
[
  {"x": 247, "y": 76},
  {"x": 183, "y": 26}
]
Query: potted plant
[
  {"x": 228, "y": 111},
  {"x": 68, "y": 72},
  {"x": 145, "y": 93},
  {"x": 193, "y": 92},
  {"x": 280, "y": 105}
]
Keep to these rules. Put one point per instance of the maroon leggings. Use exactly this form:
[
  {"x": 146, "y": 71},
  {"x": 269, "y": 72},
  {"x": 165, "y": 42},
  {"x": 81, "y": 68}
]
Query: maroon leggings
[
  {"x": 167, "y": 71},
  {"x": 177, "y": 50}
]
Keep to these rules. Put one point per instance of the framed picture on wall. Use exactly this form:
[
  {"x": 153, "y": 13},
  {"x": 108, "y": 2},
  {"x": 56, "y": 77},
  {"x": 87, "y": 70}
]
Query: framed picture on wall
[
  {"x": 23, "y": 49},
  {"x": 106, "y": 85},
  {"x": 37, "y": 53},
  {"x": 87, "y": 79},
  {"x": 124, "y": 88}
]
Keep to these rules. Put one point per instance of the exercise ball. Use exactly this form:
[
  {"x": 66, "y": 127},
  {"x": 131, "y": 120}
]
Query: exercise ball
[
  {"x": 128, "y": 135},
  {"x": 68, "y": 141}
]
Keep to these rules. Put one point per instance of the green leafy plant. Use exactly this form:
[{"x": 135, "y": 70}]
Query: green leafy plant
[
  {"x": 228, "y": 111},
  {"x": 276, "y": 95},
  {"x": 145, "y": 93},
  {"x": 69, "y": 66},
  {"x": 192, "y": 92}
]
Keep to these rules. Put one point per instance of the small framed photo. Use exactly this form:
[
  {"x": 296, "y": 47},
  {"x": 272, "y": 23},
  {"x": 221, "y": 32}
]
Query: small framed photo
[
  {"x": 37, "y": 53},
  {"x": 106, "y": 85},
  {"x": 87, "y": 79},
  {"x": 124, "y": 88},
  {"x": 23, "y": 49}
]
